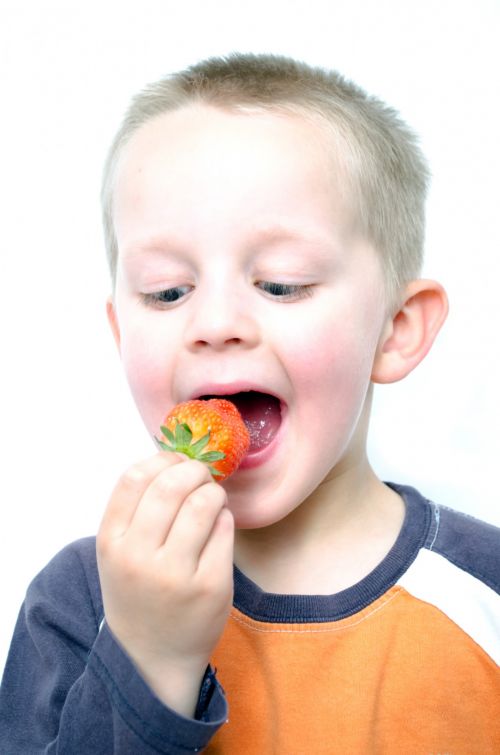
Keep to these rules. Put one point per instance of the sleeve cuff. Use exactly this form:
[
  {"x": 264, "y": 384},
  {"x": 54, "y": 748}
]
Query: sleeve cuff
[{"x": 144, "y": 713}]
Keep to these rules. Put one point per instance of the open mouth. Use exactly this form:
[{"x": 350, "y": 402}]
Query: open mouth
[{"x": 261, "y": 413}]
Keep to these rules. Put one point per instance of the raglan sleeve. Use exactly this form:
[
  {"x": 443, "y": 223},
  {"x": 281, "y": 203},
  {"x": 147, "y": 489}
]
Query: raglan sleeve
[{"x": 69, "y": 687}]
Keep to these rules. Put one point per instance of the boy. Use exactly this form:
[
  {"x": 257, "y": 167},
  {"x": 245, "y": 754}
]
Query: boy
[{"x": 264, "y": 223}]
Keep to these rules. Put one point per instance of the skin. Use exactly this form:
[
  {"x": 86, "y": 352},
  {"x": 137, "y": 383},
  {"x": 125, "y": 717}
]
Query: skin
[{"x": 211, "y": 206}]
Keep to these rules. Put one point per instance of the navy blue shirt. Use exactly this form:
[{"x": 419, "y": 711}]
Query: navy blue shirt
[{"x": 70, "y": 688}]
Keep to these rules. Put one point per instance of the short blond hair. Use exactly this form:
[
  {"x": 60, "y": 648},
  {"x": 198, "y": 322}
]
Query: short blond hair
[{"x": 388, "y": 174}]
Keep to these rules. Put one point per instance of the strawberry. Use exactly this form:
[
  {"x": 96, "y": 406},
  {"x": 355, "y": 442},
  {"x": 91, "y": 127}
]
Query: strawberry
[{"x": 211, "y": 431}]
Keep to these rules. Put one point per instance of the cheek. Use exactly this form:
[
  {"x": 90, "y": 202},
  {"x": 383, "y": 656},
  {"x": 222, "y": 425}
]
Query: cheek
[
  {"x": 147, "y": 371},
  {"x": 331, "y": 368}
]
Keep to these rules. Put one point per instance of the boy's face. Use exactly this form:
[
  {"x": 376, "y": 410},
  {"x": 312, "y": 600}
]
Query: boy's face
[{"x": 211, "y": 209}]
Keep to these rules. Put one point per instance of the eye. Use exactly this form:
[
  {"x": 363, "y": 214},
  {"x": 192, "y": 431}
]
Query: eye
[
  {"x": 285, "y": 291},
  {"x": 166, "y": 297}
]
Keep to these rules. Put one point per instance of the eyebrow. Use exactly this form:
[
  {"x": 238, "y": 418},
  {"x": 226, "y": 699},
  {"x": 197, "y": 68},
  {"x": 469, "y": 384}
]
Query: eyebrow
[
  {"x": 269, "y": 234},
  {"x": 290, "y": 233}
]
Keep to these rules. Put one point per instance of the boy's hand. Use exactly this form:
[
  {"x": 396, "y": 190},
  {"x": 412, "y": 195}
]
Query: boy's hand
[{"x": 165, "y": 558}]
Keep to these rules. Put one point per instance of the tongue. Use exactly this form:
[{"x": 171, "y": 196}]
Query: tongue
[{"x": 261, "y": 414}]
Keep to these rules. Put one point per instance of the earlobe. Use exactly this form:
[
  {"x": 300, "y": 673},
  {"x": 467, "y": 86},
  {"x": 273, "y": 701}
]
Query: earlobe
[
  {"x": 113, "y": 320},
  {"x": 410, "y": 333}
]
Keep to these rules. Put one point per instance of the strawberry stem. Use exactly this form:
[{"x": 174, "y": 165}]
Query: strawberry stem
[{"x": 182, "y": 442}]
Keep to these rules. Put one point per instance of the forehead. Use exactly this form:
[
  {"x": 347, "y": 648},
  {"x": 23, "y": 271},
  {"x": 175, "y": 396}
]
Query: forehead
[
  {"x": 199, "y": 122},
  {"x": 210, "y": 167}
]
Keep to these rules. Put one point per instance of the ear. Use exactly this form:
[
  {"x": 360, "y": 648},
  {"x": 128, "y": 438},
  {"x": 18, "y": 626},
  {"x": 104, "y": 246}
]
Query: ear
[
  {"x": 113, "y": 320},
  {"x": 409, "y": 334}
]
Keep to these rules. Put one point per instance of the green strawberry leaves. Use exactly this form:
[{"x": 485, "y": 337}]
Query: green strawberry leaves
[
  {"x": 167, "y": 433},
  {"x": 182, "y": 442}
]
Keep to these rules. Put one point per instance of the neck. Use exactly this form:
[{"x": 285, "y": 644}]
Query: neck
[{"x": 330, "y": 541}]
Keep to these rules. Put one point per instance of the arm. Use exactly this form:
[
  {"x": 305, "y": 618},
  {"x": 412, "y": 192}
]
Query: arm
[{"x": 69, "y": 687}]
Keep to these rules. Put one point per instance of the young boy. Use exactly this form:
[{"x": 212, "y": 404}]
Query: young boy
[{"x": 264, "y": 223}]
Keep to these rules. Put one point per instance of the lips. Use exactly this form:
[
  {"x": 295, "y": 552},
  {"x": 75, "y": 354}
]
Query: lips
[{"x": 261, "y": 413}]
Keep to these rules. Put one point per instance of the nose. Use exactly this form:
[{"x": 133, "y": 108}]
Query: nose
[{"x": 220, "y": 320}]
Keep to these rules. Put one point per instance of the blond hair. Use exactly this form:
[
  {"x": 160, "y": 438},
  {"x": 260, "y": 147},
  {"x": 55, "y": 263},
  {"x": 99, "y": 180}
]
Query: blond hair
[{"x": 388, "y": 174}]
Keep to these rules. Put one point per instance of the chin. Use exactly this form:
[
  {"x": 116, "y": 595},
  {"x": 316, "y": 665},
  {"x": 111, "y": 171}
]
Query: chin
[
  {"x": 255, "y": 506},
  {"x": 254, "y": 520}
]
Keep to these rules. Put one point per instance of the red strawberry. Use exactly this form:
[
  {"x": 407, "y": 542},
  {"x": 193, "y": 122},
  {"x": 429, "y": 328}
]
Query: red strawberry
[{"x": 211, "y": 431}]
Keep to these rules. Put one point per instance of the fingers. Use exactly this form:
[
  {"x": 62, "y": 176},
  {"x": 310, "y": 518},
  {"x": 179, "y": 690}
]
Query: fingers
[
  {"x": 168, "y": 508},
  {"x": 163, "y": 498},
  {"x": 194, "y": 525},
  {"x": 128, "y": 492},
  {"x": 217, "y": 555},
  {"x": 164, "y": 556}
]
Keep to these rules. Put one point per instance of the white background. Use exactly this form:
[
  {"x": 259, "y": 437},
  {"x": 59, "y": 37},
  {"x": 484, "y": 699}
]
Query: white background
[{"x": 68, "y": 69}]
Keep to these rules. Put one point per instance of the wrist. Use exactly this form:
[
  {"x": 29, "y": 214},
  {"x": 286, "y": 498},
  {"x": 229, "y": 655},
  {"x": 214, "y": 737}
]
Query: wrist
[{"x": 177, "y": 686}]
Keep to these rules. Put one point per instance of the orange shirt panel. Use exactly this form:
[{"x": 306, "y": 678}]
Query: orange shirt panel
[{"x": 397, "y": 677}]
